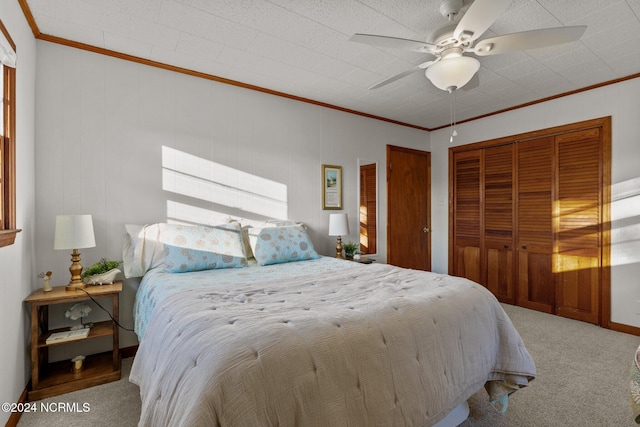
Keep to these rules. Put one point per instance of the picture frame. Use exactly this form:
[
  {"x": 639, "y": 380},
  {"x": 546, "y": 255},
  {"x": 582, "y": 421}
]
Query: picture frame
[{"x": 331, "y": 187}]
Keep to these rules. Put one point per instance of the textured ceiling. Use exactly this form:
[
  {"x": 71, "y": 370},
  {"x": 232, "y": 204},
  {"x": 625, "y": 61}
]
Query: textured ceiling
[{"x": 302, "y": 48}]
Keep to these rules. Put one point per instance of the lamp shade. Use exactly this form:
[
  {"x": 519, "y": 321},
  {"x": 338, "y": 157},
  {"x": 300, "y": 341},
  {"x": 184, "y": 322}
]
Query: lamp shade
[
  {"x": 452, "y": 72},
  {"x": 338, "y": 224},
  {"x": 74, "y": 232}
]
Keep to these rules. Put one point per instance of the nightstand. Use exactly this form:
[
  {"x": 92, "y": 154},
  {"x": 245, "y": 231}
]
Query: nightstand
[{"x": 52, "y": 379}]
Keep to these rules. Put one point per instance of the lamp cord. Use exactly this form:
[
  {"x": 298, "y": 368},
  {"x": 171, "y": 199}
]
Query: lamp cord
[{"x": 105, "y": 310}]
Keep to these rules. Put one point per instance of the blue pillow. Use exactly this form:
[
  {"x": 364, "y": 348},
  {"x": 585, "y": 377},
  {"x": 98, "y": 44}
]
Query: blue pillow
[
  {"x": 182, "y": 260},
  {"x": 275, "y": 245}
]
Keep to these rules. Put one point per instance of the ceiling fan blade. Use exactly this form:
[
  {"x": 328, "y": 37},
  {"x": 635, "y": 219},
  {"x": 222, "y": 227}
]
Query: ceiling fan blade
[
  {"x": 478, "y": 18},
  {"x": 525, "y": 40},
  {"x": 394, "y": 78},
  {"x": 404, "y": 74},
  {"x": 393, "y": 42}
]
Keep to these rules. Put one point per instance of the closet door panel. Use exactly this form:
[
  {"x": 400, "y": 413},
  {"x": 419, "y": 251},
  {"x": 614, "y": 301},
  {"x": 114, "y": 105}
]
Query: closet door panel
[
  {"x": 578, "y": 225},
  {"x": 498, "y": 222},
  {"x": 467, "y": 223},
  {"x": 534, "y": 247},
  {"x": 536, "y": 284}
]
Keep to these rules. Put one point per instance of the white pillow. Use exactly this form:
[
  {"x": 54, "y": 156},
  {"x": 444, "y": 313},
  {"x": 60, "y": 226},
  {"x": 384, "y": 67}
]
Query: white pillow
[{"x": 143, "y": 247}]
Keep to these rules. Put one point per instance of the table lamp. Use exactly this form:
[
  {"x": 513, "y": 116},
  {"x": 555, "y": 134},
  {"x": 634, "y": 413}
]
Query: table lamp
[
  {"x": 74, "y": 232},
  {"x": 338, "y": 226}
]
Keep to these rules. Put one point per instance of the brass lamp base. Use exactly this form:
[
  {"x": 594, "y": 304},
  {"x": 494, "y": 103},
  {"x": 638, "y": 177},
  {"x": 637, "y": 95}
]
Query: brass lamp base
[
  {"x": 75, "y": 286},
  {"x": 76, "y": 273},
  {"x": 339, "y": 248}
]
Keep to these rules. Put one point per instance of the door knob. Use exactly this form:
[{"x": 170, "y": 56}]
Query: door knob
[{"x": 426, "y": 230}]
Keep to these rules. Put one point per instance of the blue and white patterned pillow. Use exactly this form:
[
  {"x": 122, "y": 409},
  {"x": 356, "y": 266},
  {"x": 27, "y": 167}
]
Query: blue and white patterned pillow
[
  {"x": 194, "y": 248},
  {"x": 182, "y": 260},
  {"x": 275, "y": 245}
]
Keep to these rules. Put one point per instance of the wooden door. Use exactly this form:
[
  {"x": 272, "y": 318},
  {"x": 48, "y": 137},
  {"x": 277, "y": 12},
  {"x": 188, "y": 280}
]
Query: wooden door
[
  {"x": 498, "y": 265},
  {"x": 408, "y": 210},
  {"x": 368, "y": 209},
  {"x": 534, "y": 248},
  {"x": 467, "y": 199},
  {"x": 578, "y": 225}
]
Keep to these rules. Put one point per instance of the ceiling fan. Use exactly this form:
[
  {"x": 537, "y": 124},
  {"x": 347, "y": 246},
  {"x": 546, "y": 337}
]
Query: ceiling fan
[{"x": 450, "y": 69}]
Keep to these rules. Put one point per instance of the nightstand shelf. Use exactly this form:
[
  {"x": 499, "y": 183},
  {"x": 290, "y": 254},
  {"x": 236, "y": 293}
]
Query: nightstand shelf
[
  {"x": 52, "y": 379},
  {"x": 99, "y": 329}
]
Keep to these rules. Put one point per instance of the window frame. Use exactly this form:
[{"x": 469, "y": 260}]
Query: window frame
[{"x": 8, "y": 228}]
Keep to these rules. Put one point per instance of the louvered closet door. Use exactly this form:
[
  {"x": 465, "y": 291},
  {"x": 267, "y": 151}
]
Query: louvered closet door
[
  {"x": 498, "y": 269},
  {"x": 368, "y": 205},
  {"x": 578, "y": 225},
  {"x": 534, "y": 248},
  {"x": 467, "y": 225}
]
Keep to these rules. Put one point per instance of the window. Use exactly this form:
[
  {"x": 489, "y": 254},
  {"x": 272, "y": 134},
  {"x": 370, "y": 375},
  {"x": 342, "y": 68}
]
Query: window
[{"x": 7, "y": 139}]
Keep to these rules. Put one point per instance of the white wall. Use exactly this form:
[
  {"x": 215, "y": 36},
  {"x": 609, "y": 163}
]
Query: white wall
[
  {"x": 17, "y": 272},
  {"x": 620, "y": 101},
  {"x": 102, "y": 124}
]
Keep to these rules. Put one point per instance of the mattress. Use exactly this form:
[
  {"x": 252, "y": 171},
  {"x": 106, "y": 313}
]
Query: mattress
[{"x": 321, "y": 342}]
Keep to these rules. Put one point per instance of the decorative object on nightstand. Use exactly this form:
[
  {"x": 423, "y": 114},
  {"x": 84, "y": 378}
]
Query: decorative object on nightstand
[
  {"x": 339, "y": 226},
  {"x": 101, "y": 272},
  {"x": 46, "y": 283},
  {"x": 74, "y": 232},
  {"x": 350, "y": 249},
  {"x": 78, "y": 311},
  {"x": 77, "y": 363}
]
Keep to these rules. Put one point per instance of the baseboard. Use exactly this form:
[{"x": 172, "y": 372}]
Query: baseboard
[
  {"x": 15, "y": 416},
  {"x": 619, "y": 327},
  {"x": 128, "y": 351}
]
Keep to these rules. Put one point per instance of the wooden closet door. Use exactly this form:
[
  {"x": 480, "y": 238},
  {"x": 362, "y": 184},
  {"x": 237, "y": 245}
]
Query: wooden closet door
[
  {"x": 534, "y": 248},
  {"x": 368, "y": 206},
  {"x": 498, "y": 268},
  {"x": 467, "y": 208},
  {"x": 578, "y": 225}
]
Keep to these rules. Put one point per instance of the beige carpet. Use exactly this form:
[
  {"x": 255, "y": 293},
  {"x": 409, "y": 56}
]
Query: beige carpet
[{"x": 583, "y": 374}]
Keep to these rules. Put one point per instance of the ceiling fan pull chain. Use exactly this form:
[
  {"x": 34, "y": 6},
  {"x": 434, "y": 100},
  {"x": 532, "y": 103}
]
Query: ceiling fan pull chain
[{"x": 453, "y": 115}]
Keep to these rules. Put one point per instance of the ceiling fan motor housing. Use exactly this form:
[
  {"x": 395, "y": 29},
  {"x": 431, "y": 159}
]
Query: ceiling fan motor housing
[{"x": 450, "y": 8}]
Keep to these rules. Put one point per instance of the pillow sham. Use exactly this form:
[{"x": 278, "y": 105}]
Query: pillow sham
[
  {"x": 275, "y": 245},
  {"x": 183, "y": 260},
  {"x": 144, "y": 245},
  {"x": 131, "y": 264}
]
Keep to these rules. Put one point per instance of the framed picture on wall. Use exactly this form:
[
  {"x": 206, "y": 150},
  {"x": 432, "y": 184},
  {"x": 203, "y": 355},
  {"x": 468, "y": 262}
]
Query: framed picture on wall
[{"x": 331, "y": 187}]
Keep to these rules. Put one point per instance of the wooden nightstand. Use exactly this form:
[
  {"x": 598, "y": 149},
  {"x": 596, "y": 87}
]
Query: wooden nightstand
[{"x": 52, "y": 379}]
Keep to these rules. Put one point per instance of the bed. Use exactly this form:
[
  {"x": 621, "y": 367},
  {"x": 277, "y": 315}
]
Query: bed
[{"x": 313, "y": 341}]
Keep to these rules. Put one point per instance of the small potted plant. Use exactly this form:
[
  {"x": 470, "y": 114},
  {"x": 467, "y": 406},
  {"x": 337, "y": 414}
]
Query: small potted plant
[
  {"x": 101, "y": 272},
  {"x": 350, "y": 249}
]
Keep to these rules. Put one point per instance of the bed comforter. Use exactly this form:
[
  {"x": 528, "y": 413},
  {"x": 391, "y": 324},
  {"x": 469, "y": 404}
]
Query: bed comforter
[{"x": 377, "y": 345}]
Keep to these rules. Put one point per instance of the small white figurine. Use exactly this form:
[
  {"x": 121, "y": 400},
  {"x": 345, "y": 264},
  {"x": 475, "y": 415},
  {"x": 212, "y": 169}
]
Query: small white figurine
[{"x": 46, "y": 285}]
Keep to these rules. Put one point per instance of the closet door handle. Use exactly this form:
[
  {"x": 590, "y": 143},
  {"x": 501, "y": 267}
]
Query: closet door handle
[
  {"x": 506, "y": 246},
  {"x": 524, "y": 246}
]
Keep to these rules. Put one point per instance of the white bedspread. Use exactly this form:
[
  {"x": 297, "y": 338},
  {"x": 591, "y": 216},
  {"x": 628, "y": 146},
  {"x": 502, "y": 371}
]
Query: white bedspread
[{"x": 371, "y": 346}]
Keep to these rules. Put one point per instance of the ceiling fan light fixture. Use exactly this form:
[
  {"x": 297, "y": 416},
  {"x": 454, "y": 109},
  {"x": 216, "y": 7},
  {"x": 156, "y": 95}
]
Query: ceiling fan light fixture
[{"x": 452, "y": 73}]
